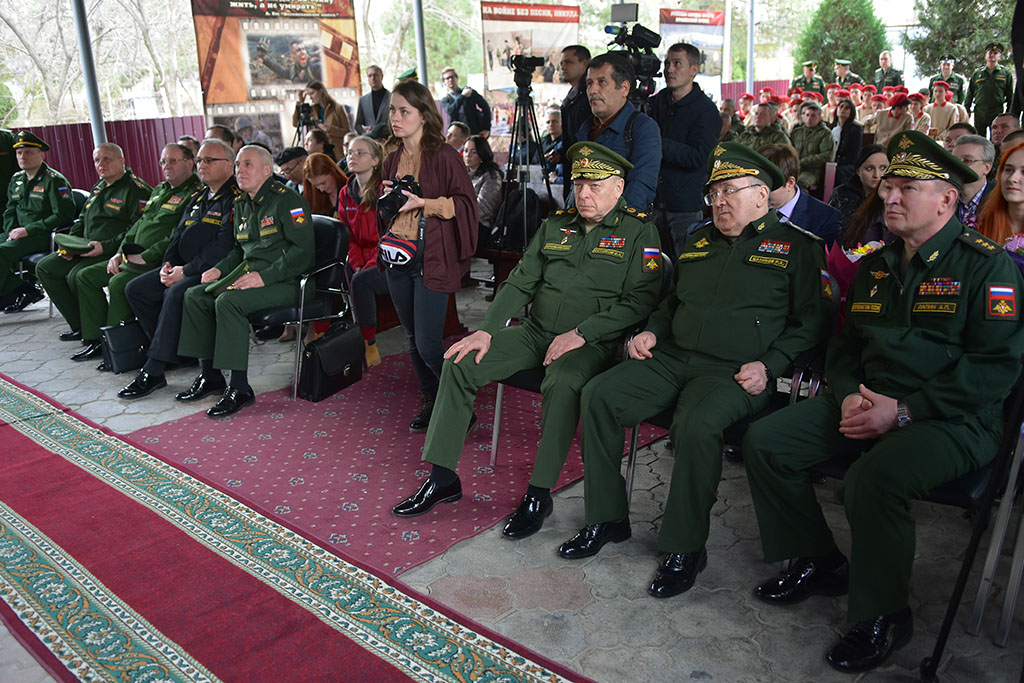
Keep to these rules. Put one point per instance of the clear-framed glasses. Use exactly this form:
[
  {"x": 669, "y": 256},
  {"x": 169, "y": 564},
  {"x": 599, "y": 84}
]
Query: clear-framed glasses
[
  {"x": 170, "y": 162},
  {"x": 711, "y": 197},
  {"x": 208, "y": 160}
]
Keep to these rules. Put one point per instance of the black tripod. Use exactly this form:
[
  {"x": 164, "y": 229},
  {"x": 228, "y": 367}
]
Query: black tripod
[{"x": 306, "y": 124}]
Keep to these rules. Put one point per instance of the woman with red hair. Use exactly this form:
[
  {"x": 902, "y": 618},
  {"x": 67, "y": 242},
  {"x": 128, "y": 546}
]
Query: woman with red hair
[{"x": 1002, "y": 217}]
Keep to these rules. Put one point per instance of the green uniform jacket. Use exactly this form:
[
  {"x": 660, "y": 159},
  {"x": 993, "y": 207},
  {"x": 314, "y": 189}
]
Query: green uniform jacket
[
  {"x": 8, "y": 163},
  {"x": 891, "y": 77},
  {"x": 990, "y": 92},
  {"x": 813, "y": 84},
  {"x": 772, "y": 135},
  {"x": 816, "y": 147},
  {"x": 40, "y": 203},
  {"x": 735, "y": 128},
  {"x": 957, "y": 85},
  {"x": 602, "y": 282},
  {"x": 764, "y": 297},
  {"x": 163, "y": 211},
  {"x": 111, "y": 209},
  {"x": 946, "y": 340},
  {"x": 273, "y": 234},
  {"x": 848, "y": 80}
]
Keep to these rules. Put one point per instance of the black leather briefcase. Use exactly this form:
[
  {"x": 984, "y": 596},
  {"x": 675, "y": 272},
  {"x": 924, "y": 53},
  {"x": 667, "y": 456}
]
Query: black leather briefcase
[
  {"x": 332, "y": 362},
  {"x": 124, "y": 346}
]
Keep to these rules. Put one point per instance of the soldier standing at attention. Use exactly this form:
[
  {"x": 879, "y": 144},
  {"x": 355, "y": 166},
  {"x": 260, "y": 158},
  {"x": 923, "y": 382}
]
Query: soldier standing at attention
[
  {"x": 885, "y": 75},
  {"x": 916, "y": 382},
  {"x": 810, "y": 80},
  {"x": 955, "y": 83},
  {"x": 989, "y": 90},
  {"x": 114, "y": 204},
  {"x": 589, "y": 275},
  {"x": 844, "y": 77},
  {"x": 274, "y": 245},
  {"x": 38, "y": 200}
]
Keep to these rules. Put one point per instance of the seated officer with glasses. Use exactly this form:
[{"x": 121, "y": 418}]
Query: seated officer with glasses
[{"x": 751, "y": 293}]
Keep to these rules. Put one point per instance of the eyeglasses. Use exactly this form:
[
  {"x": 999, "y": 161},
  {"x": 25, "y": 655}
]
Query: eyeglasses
[
  {"x": 356, "y": 153},
  {"x": 971, "y": 161},
  {"x": 208, "y": 160},
  {"x": 291, "y": 169},
  {"x": 170, "y": 162},
  {"x": 711, "y": 197}
]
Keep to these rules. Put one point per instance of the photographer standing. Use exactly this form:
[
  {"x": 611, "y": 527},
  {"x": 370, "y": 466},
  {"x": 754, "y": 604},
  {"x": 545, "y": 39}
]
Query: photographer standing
[
  {"x": 690, "y": 124},
  {"x": 427, "y": 245},
  {"x": 324, "y": 113}
]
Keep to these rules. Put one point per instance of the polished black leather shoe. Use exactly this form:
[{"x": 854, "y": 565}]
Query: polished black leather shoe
[
  {"x": 143, "y": 385},
  {"x": 592, "y": 538},
  {"x": 92, "y": 350},
  {"x": 870, "y": 642},
  {"x": 422, "y": 421},
  {"x": 27, "y": 296},
  {"x": 805, "y": 578},
  {"x": 529, "y": 517},
  {"x": 70, "y": 335},
  {"x": 103, "y": 367},
  {"x": 428, "y": 495},
  {"x": 231, "y": 402},
  {"x": 677, "y": 573},
  {"x": 203, "y": 385}
]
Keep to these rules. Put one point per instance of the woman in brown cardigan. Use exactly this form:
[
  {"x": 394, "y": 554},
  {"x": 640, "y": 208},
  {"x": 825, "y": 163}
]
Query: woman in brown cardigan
[
  {"x": 329, "y": 116},
  {"x": 425, "y": 250}
]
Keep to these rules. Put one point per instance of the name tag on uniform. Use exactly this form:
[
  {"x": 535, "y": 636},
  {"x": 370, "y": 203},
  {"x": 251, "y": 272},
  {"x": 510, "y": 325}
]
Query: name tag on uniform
[
  {"x": 609, "y": 252},
  {"x": 554, "y": 246},
  {"x": 768, "y": 261},
  {"x": 215, "y": 221},
  {"x": 690, "y": 255},
  {"x": 267, "y": 231},
  {"x": 934, "y": 307},
  {"x": 865, "y": 307}
]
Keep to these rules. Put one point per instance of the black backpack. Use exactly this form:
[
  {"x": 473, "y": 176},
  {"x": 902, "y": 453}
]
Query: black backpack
[{"x": 507, "y": 233}]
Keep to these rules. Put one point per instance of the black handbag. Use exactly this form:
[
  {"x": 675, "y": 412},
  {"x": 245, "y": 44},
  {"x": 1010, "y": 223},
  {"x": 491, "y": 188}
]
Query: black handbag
[
  {"x": 124, "y": 346},
  {"x": 332, "y": 362}
]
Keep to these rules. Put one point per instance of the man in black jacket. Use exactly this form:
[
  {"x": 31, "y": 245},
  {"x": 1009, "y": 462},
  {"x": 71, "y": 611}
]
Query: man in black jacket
[
  {"x": 575, "y": 107},
  {"x": 690, "y": 125},
  {"x": 465, "y": 104},
  {"x": 203, "y": 237}
]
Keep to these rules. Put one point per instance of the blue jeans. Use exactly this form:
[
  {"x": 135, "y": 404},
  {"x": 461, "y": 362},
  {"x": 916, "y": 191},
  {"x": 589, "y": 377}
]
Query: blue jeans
[{"x": 422, "y": 313}]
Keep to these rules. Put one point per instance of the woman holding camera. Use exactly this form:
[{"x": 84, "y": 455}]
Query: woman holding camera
[
  {"x": 426, "y": 246},
  {"x": 326, "y": 113}
]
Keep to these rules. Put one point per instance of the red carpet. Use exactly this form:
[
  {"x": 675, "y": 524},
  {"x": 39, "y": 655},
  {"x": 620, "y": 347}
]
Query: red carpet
[{"x": 334, "y": 469}]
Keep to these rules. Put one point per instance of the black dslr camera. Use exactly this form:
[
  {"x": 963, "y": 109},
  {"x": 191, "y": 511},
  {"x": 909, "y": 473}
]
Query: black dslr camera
[{"x": 389, "y": 204}]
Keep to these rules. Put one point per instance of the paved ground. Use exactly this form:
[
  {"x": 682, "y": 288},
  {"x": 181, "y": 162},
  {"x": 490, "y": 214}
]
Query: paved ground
[{"x": 592, "y": 615}]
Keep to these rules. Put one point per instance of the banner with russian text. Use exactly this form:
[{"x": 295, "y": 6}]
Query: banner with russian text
[{"x": 704, "y": 29}]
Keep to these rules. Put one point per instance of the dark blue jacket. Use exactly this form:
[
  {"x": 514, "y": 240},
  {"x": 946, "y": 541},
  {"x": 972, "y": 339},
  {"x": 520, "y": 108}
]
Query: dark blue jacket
[
  {"x": 472, "y": 111},
  {"x": 642, "y": 181},
  {"x": 818, "y": 217},
  {"x": 689, "y": 131}
]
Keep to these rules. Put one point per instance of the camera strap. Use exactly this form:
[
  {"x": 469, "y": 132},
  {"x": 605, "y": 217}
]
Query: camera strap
[{"x": 627, "y": 135}]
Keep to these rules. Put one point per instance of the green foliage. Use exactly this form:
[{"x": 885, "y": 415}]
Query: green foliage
[
  {"x": 847, "y": 29},
  {"x": 959, "y": 27},
  {"x": 8, "y": 108}
]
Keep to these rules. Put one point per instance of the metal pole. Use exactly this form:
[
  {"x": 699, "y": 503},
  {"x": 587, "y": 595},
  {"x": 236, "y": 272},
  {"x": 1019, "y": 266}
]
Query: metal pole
[
  {"x": 750, "y": 49},
  {"x": 92, "y": 90},
  {"x": 421, "y": 45}
]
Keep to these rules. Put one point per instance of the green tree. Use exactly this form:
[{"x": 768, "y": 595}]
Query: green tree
[
  {"x": 960, "y": 27},
  {"x": 847, "y": 29}
]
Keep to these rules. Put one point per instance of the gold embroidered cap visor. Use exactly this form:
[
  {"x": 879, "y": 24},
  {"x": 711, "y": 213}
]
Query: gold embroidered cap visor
[
  {"x": 913, "y": 154},
  {"x": 733, "y": 160},
  {"x": 596, "y": 162},
  {"x": 27, "y": 138}
]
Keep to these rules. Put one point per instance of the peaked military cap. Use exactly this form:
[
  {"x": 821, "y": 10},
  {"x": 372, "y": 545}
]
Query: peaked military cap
[
  {"x": 407, "y": 74},
  {"x": 913, "y": 154},
  {"x": 947, "y": 58},
  {"x": 733, "y": 160},
  {"x": 26, "y": 138},
  {"x": 842, "y": 62},
  {"x": 591, "y": 161},
  {"x": 811, "y": 64},
  {"x": 998, "y": 47}
]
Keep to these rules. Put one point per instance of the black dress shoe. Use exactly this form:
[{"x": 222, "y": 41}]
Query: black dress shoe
[
  {"x": 592, "y": 538},
  {"x": 677, "y": 573},
  {"x": 92, "y": 350},
  {"x": 203, "y": 386},
  {"x": 429, "y": 495},
  {"x": 143, "y": 385},
  {"x": 103, "y": 367},
  {"x": 231, "y": 402},
  {"x": 422, "y": 421},
  {"x": 71, "y": 335},
  {"x": 870, "y": 642},
  {"x": 529, "y": 517},
  {"x": 27, "y": 296},
  {"x": 828, "y": 575}
]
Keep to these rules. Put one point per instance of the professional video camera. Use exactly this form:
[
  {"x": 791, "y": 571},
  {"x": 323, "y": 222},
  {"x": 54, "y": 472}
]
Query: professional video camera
[
  {"x": 522, "y": 68},
  {"x": 639, "y": 42}
]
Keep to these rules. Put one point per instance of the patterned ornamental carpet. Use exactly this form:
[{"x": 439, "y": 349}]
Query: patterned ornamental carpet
[
  {"x": 117, "y": 566},
  {"x": 334, "y": 469}
]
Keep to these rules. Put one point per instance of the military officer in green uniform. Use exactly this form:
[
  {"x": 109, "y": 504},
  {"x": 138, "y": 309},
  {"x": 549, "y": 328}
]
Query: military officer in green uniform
[
  {"x": 844, "y": 77},
  {"x": 809, "y": 80},
  {"x": 989, "y": 90},
  {"x": 751, "y": 293},
  {"x": 767, "y": 130},
  {"x": 885, "y": 75},
  {"x": 39, "y": 200},
  {"x": 589, "y": 275},
  {"x": 957, "y": 83},
  {"x": 141, "y": 249},
  {"x": 917, "y": 377},
  {"x": 274, "y": 245},
  {"x": 8, "y": 164},
  {"x": 114, "y": 204}
]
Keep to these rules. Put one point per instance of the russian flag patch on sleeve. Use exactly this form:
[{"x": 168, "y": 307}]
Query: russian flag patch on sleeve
[
  {"x": 652, "y": 259},
  {"x": 1002, "y": 302},
  {"x": 298, "y": 215}
]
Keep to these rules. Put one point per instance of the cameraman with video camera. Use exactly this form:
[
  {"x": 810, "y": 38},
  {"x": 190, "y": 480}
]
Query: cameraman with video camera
[{"x": 690, "y": 125}]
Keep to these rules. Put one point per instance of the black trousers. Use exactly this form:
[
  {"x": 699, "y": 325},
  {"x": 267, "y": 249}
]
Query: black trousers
[{"x": 158, "y": 310}]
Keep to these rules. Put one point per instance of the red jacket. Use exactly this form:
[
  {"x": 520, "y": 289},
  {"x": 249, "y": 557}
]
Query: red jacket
[{"x": 362, "y": 226}]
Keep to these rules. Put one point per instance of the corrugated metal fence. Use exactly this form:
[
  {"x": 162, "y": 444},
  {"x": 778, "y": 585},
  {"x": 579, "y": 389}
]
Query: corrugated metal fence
[
  {"x": 71, "y": 145},
  {"x": 736, "y": 88}
]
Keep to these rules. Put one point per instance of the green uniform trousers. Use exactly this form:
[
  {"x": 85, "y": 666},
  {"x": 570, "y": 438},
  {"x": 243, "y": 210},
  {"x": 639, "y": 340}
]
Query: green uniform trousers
[
  {"x": 59, "y": 277},
  {"x": 218, "y": 327},
  {"x": 93, "y": 305},
  {"x": 891, "y": 471},
  {"x": 13, "y": 251},
  {"x": 983, "y": 119},
  {"x": 514, "y": 349},
  {"x": 707, "y": 400}
]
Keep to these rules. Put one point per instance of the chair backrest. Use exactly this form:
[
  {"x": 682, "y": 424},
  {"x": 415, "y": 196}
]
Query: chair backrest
[
  {"x": 80, "y": 196},
  {"x": 331, "y": 238}
]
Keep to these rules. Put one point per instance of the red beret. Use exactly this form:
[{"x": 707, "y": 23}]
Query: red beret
[
  {"x": 746, "y": 96},
  {"x": 878, "y": 98},
  {"x": 899, "y": 100},
  {"x": 888, "y": 88},
  {"x": 949, "y": 96},
  {"x": 917, "y": 97},
  {"x": 856, "y": 86},
  {"x": 830, "y": 86},
  {"x": 941, "y": 83},
  {"x": 902, "y": 88},
  {"x": 795, "y": 89},
  {"x": 766, "y": 89},
  {"x": 870, "y": 87},
  {"x": 842, "y": 92}
]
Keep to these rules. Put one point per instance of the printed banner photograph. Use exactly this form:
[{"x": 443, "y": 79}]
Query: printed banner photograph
[{"x": 705, "y": 29}]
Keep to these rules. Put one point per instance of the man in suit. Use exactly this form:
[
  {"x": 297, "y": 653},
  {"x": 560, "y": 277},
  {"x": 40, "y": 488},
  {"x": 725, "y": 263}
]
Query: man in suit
[
  {"x": 373, "y": 106},
  {"x": 796, "y": 206}
]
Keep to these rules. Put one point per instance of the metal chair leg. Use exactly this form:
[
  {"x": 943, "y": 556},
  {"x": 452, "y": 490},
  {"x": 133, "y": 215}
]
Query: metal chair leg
[
  {"x": 634, "y": 438},
  {"x": 497, "y": 423},
  {"x": 1012, "y": 589}
]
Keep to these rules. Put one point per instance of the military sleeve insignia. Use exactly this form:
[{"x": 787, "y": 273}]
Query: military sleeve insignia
[
  {"x": 826, "y": 285},
  {"x": 1002, "y": 302},
  {"x": 298, "y": 215},
  {"x": 65, "y": 192},
  {"x": 652, "y": 259}
]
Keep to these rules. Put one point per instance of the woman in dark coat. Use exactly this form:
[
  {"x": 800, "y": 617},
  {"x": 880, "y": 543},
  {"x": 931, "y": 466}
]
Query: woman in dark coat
[{"x": 848, "y": 134}]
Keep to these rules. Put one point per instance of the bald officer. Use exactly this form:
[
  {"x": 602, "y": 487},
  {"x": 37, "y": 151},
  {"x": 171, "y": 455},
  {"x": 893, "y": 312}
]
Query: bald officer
[
  {"x": 589, "y": 275},
  {"x": 750, "y": 295},
  {"x": 931, "y": 346}
]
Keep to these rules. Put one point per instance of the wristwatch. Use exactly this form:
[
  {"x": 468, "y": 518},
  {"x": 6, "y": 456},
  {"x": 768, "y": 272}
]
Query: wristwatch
[
  {"x": 580, "y": 334},
  {"x": 903, "y": 416}
]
